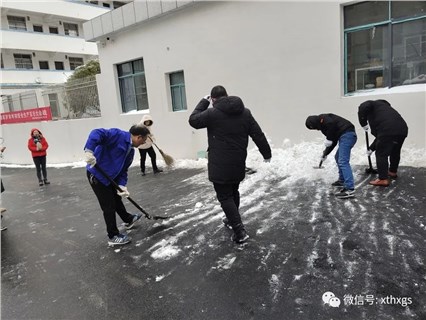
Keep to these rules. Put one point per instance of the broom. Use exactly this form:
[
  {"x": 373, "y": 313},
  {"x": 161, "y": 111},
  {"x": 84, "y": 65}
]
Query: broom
[{"x": 167, "y": 159}]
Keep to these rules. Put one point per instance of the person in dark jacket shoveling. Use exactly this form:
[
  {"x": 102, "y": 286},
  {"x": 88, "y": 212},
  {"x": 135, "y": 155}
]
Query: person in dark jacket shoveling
[
  {"x": 390, "y": 130},
  {"x": 229, "y": 125},
  {"x": 337, "y": 130}
]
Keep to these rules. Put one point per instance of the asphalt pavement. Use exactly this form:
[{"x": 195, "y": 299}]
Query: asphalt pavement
[{"x": 370, "y": 251}]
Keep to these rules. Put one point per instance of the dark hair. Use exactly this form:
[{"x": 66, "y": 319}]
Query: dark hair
[
  {"x": 139, "y": 130},
  {"x": 218, "y": 91}
]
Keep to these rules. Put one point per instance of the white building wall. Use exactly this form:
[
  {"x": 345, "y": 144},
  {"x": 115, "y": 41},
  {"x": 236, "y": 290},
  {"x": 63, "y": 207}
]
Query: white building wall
[{"x": 284, "y": 59}]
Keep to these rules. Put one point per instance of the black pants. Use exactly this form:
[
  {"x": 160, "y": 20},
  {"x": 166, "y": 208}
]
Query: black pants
[
  {"x": 152, "y": 155},
  {"x": 388, "y": 147},
  {"x": 229, "y": 198},
  {"x": 110, "y": 203},
  {"x": 40, "y": 163}
]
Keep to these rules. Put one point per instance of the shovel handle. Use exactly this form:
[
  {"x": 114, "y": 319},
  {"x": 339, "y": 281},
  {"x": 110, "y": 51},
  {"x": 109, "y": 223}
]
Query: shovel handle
[
  {"x": 368, "y": 148},
  {"x": 116, "y": 186}
]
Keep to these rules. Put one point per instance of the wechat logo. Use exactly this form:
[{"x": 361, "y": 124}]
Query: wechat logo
[{"x": 330, "y": 299}]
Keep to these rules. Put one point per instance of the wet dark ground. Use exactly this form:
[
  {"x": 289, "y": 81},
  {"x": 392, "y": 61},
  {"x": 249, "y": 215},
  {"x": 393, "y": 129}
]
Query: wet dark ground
[{"x": 56, "y": 264}]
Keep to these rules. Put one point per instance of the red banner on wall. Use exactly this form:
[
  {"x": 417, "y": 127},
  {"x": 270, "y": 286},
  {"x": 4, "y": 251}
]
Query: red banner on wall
[{"x": 29, "y": 115}]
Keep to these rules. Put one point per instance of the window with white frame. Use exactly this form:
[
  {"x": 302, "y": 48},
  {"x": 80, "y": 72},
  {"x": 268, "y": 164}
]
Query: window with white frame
[
  {"x": 71, "y": 29},
  {"x": 23, "y": 61},
  {"x": 17, "y": 23},
  {"x": 385, "y": 44},
  {"x": 133, "y": 91},
  {"x": 75, "y": 62},
  {"x": 177, "y": 91}
]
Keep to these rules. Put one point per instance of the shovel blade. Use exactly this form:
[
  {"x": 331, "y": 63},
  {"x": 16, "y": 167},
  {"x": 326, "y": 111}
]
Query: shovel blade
[{"x": 371, "y": 171}]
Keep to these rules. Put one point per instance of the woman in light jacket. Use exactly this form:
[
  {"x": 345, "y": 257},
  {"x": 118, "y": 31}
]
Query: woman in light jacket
[{"x": 147, "y": 146}]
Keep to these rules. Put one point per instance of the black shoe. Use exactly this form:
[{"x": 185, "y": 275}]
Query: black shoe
[
  {"x": 345, "y": 193},
  {"x": 46, "y": 181},
  {"x": 143, "y": 173},
  {"x": 226, "y": 223},
  {"x": 40, "y": 183},
  {"x": 157, "y": 171},
  {"x": 337, "y": 183},
  {"x": 240, "y": 236}
]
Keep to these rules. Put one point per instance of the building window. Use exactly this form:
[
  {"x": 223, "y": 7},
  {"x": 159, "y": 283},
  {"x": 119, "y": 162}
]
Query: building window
[
  {"x": 71, "y": 29},
  {"x": 44, "y": 65},
  {"x": 7, "y": 102},
  {"x": 75, "y": 62},
  {"x": 53, "y": 30},
  {"x": 1, "y": 57},
  {"x": 106, "y": 5},
  {"x": 59, "y": 65},
  {"x": 23, "y": 61},
  {"x": 118, "y": 4},
  {"x": 385, "y": 44},
  {"x": 133, "y": 91},
  {"x": 54, "y": 104},
  {"x": 17, "y": 23},
  {"x": 177, "y": 91},
  {"x": 37, "y": 28}
]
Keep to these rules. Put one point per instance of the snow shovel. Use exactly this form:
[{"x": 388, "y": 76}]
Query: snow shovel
[
  {"x": 370, "y": 169},
  {"x": 319, "y": 166},
  {"x": 250, "y": 170},
  {"x": 147, "y": 215},
  {"x": 167, "y": 159}
]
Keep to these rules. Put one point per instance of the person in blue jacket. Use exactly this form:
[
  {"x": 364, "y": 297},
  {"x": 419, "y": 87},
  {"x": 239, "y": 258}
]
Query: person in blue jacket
[{"x": 112, "y": 150}]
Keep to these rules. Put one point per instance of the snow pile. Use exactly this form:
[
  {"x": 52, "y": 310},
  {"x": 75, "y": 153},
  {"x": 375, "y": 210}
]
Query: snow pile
[{"x": 290, "y": 160}]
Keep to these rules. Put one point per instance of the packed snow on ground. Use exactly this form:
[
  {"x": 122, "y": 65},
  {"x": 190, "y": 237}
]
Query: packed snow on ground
[{"x": 290, "y": 163}]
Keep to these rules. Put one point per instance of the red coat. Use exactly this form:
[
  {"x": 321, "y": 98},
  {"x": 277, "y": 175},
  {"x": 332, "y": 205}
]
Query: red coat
[{"x": 32, "y": 146}]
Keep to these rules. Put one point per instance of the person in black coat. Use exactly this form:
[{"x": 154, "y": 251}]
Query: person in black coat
[
  {"x": 390, "y": 131},
  {"x": 337, "y": 130},
  {"x": 229, "y": 125}
]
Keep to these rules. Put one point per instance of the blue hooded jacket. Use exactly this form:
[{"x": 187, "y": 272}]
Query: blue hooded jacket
[{"x": 114, "y": 153}]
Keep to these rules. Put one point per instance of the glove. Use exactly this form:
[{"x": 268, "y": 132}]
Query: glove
[
  {"x": 328, "y": 143},
  {"x": 366, "y": 128},
  {"x": 124, "y": 192},
  {"x": 369, "y": 152},
  {"x": 267, "y": 160},
  {"x": 323, "y": 158},
  {"x": 208, "y": 98},
  {"x": 39, "y": 146},
  {"x": 90, "y": 158}
]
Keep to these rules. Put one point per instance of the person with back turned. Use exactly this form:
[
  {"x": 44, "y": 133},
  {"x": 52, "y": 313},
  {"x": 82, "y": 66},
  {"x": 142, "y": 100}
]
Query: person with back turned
[{"x": 229, "y": 125}]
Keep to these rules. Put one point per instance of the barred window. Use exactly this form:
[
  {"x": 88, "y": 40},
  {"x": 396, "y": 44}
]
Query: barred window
[
  {"x": 75, "y": 62},
  {"x": 23, "y": 61},
  {"x": 71, "y": 29},
  {"x": 17, "y": 23}
]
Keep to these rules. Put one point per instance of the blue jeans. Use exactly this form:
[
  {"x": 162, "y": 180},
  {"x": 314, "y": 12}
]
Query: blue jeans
[{"x": 342, "y": 157}]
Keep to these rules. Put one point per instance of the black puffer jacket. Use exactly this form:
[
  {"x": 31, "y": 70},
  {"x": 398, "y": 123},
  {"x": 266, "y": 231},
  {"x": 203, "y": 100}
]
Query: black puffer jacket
[
  {"x": 382, "y": 118},
  {"x": 229, "y": 124},
  {"x": 331, "y": 125}
]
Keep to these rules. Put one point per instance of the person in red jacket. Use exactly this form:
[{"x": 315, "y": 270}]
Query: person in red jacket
[{"x": 38, "y": 145}]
